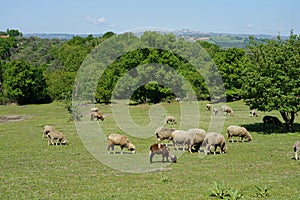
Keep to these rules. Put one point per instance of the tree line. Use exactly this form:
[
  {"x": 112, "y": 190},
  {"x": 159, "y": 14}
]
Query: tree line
[{"x": 265, "y": 74}]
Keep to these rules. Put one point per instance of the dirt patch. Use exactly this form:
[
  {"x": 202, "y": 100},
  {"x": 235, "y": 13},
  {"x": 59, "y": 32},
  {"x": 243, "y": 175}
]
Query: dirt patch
[{"x": 11, "y": 118}]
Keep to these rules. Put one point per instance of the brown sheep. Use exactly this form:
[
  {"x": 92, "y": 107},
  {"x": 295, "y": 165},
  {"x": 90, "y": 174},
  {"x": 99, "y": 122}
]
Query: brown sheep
[
  {"x": 238, "y": 131},
  {"x": 119, "y": 140},
  {"x": 164, "y": 151},
  {"x": 56, "y": 135},
  {"x": 272, "y": 120},
  {"x": 97, "y": 115}
]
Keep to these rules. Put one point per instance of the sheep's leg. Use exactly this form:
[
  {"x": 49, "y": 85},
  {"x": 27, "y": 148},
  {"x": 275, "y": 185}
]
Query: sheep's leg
[
  {"x": 151, "y": 156},
  {"x": 296, "y": 155}
]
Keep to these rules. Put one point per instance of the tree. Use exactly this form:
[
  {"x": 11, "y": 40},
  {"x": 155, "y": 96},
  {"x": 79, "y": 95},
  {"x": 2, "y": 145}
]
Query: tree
[
  {"x": 24, "y": 83},
  {"x": 273, "y": 77}
]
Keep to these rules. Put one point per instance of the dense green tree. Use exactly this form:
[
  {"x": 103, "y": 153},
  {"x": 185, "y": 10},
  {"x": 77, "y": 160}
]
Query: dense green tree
[
  {"x": 24, "y": 83},
  {"x": 272, "y": 81}
]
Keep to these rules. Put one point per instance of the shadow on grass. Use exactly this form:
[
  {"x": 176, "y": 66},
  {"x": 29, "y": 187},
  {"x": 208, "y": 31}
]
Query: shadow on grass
[{"x": 269, "y": 128}]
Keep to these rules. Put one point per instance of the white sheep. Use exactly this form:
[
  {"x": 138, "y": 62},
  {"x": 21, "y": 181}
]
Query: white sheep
[
  {"x": 56, "y": 135},
  {"x": 215, "y": 140},
  {"x": 197, "y": 136},
  {"x": 238, "y": 131},
  {"x": 253, "y": 113},
  {"x": 227, "y": 110},
  {"x": 215, "y": 111},
  {"x": 180, "y": 137},
  {"x": 46, "y": 130},
  {"x": 208, "y": 107},
  {"x": 296, "y": 149},
  {"x": 170, "y": 120},
  {"x": 163, "y": 133},
  {"x": 119, "y": 140},
  {"x": 164, "y": 151}
]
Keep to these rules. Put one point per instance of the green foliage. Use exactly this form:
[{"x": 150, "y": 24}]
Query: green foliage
[
  {"x": 24, "y": 83},
  {"x": 272, "y": 81},
  {"x": 218, "y": 190},
  {"x": 263, "y": 192}
]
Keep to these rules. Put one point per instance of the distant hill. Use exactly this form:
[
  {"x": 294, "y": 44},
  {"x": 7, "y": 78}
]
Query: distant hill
[{"x": 224, "y": 40}]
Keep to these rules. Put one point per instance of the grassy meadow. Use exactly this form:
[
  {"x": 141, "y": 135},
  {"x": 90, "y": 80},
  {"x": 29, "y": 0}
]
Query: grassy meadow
[{"x": 30, "y": 169}]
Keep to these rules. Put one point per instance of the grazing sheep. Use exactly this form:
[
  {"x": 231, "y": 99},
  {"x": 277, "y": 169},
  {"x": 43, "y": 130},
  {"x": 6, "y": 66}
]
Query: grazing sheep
[
  {"x": 170, "y": 120},
  {"x": 238, "y": 131},
  {"x": 164, "y": 151},
  {"x": 56, "y": 135},
  {"x": 198, "y": 136},
  {"x": 296, "y": 149},
  {"x": 215, "y": 140},
  {"x": 253, "y": 113},
  {"x": 119, "y": 140},
  {"x": 180, "y": 137},
  {"x": 46, "y": 130},
  {"x": 208, "y": 107},
  {"x": 215, "y": 111},
  {"x": 272, "y": 120},
  {"x": 227, "y": 110},
  {"x": 97, "y": 115},
  {"x": 163, "y": 133}
]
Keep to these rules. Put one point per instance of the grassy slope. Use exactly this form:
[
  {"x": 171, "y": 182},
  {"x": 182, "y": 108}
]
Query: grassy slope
[{"x": 30, "y": 169}]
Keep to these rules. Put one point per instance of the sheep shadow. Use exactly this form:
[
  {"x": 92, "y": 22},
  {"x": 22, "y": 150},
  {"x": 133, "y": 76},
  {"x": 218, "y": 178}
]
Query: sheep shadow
[{"x": 268, "y": 128}]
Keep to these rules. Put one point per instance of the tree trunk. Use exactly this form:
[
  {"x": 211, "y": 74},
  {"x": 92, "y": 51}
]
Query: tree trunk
[{"x": 289, "y": 118}]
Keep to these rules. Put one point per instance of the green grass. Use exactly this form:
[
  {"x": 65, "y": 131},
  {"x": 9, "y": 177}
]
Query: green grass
[{"x": 30, "y": 169}]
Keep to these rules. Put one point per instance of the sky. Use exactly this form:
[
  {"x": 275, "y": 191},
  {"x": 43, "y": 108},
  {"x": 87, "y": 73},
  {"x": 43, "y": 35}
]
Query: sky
[{"x": 99, "y": 16}]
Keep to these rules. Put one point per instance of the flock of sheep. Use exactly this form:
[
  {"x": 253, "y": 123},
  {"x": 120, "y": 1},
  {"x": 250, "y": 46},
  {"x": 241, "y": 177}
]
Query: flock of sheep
[{"x": 194, "y": 139}]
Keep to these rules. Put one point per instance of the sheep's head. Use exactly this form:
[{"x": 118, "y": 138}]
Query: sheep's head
[
  {"x": 173, "y": 158},
  {"x": 131, "y": 147},
  {"x": 249, "y": 137}
]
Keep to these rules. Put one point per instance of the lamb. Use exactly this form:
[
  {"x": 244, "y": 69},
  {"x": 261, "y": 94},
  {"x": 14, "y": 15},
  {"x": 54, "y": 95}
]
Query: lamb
[
  {"x": 56, "y": 135},
  {"x": 215, "y": 111},
  {"x": 97, "y": 115},
  {"x": 170, "y": 120},
  {"x": 296, "y": 149},
  {"x": 215, "y": 140},
  {"x": 119, "y": 140},
  {"x": 164, "y": 151},
  {"x": 227, "y": 110},
  {"x": 272, "y": 120},
  {"x": 46, "y": 130},
  {"x": 208, "y": 107},
  {"x": 253, "y": 113},
  {"x": 163, "y": 133},
  {"x": 238, "y": 131}
]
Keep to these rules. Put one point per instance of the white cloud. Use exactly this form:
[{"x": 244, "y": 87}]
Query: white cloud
[{"x": 99, "y": 21}]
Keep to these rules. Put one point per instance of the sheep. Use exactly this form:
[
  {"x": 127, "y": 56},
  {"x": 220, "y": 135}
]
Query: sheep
[
  {"x": 215, "y": 140},
  {"x": 182, "y": 138},
  {"x": 177, "y": 99},
  {"x": 208, "y": 107},
  {"x": 119, "y": 140},
  {"x": 227, "y": 110},
  {"x": 253, "y": 113},
  {"x": 164, "y": 151},
  {"x": 215, "y": 111},
  {"x": 163, "y": 133},
  {"x": 46, "y": 130},
  {"x": 97, "y": 115},
  {"x": 170, "y": 120},
  {"x": 272, "y": 120},
  {"x": 238, "y": 131},
  {"x": 296, "y": 149},
  {"x": 56, "y": 135},
  {"x": 198, "y": 136}
]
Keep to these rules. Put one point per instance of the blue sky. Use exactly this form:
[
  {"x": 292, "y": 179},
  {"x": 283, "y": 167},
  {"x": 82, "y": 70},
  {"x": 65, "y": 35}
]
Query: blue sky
[{"x": 100, "y": 16}]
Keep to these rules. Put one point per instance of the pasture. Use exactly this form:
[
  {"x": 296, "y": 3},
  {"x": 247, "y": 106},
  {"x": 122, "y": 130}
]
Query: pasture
[{"x": 30, "y": 169}]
